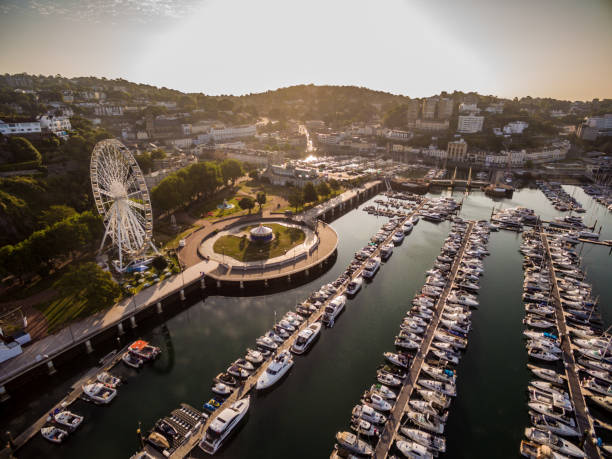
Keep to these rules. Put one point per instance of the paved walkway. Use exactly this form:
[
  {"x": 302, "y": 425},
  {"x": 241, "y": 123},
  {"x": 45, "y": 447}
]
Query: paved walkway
[
  {"x": 393, "y": 424},
  {"x": 45, "y": 349}
]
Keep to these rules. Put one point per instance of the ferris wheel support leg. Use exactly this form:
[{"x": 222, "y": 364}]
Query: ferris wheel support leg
[{"x": 153, "y": 247}]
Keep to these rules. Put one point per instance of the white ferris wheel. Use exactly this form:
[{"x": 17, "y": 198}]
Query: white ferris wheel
[{"x": 122, "y": 199}]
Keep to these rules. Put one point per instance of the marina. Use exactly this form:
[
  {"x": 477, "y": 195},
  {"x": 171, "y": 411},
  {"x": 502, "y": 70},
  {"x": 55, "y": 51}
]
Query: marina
[{"x": 346, "y": 360}]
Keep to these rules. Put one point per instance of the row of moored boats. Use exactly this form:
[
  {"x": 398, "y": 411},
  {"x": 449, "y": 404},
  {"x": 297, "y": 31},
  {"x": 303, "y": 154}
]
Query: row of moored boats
[
  {"x": 424, "y": 418},
  {"x": 554, "y": 431}
]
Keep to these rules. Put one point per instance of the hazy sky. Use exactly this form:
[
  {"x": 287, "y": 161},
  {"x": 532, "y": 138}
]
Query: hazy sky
[{"x": 548, "y": 48}]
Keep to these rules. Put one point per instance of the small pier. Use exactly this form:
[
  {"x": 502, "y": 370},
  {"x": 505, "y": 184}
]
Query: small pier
[
  {"x": 583, "y": 419},
  {"x": 393, "y": 423},
  {"x": 76, "y": 391}
]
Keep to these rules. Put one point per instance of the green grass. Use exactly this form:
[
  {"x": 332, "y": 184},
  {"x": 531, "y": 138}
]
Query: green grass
[
  {"x": 242, "y": 249},
  {"x": 207, "y": 208},
  {"x": 62, "y": 311}
]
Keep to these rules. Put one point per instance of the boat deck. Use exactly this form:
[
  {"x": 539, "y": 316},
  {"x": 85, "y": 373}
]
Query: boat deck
[
  {"x": 393, "y": 424},
  {"x": 583, "y": 419},
  {"x": 193, "y": 441}
]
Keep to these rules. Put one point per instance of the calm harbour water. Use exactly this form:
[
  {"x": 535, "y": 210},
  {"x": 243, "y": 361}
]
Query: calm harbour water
[{"x": 300, "y": 416}]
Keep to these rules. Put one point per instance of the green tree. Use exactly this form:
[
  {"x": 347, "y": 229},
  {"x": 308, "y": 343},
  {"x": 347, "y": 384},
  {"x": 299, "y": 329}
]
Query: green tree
[
  {"x": 145, "y": 162},
  {"x": 158, "y": 153},
  {"x": 22, "y": 150},
  {"x": 261, "y": 199},
  {"x": 231, "y": 169},
  {"x": 246, "y": 203},
  {"x": 254, "y": 174},
  {"x": 296, "y": 198},
  {"x": 310, "y": 194},
  {"x": 334, "y": 184},
  {"x": 323, "y": 189},
  {"x": 55, "y": 214},
  {"x": 90, "y": 284},
  {"x": 160, "y": 263}
]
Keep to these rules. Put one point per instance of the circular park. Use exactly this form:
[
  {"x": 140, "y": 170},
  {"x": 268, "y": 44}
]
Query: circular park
[{"x": 267, "y": 249}]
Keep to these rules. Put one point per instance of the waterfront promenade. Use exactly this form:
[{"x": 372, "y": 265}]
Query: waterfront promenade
[
  {"x": 583, "y": 419},
  {"x": 392, "y": 426},
  {"x": 43, "y": 351}
]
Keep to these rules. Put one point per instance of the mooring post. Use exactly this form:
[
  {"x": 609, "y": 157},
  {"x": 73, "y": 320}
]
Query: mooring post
[
  {"x": 133, "y": 322},
  {"x": 51, "y": 368},
  {"x": 159, "y": 307},
  {"x": 88, "y": 346}
]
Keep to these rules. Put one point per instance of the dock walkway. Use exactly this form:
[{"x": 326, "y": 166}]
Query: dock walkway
[
  {"x": 584, "y": 420},
  {"x": 393, "y": 423},
  {"x": 76, "y": 390},
  {"x": 184, "y": 450}
]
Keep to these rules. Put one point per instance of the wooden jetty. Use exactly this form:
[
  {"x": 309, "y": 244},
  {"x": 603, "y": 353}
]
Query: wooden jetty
[
  {"x": 583, "y": 419},
  {"x": 393, "y": 423}
]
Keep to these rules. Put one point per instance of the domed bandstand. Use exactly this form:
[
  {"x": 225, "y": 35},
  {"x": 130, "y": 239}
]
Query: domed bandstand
[{"x": 267, "y": 249}]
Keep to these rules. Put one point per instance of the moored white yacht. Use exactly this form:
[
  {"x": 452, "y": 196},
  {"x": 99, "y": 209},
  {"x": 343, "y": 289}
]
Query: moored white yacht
[
  {"x": 223, "y": 425},
  {"x": 305, "y": 338},
  {"x": 275, "y": 370},
  {"x": 354, "y": 286},
  {"x": 371, "y": 267}
]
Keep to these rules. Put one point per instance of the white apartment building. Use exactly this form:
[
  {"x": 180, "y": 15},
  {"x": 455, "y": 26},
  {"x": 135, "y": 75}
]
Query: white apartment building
[
  {"x": 600, "y": 122},
  {"x": 515, "y": 127},
  {"x": 496, "y": 108},
  {"x": 108, "y": 110},
  {"x": 26, "y": 127},
  {"x": 233, "y": 132},
  {"x": 58, "y": 125},
  {"x": 331, "y": 138},
  {"x": 433, "y": 152},
  {"x": 471, "y": 108},
  {"x": 470, "y": 124},
  {"x": 396, "y": 134}
]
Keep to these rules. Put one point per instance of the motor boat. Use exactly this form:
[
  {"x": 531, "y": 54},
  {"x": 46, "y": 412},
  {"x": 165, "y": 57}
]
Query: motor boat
[
  {"x": 447, "y": 356},
  {"x": 238, "y": 372},
  {"x": 305, "y": 338},
  {"x": 425, "y": 407},
  {"x": 244, "y": 364},
  {"x": 406, "y": 343},
  {"x": 397, "y": 359},
  {"x": 387, "y": 379},
  {"x": 540, "y": 354},
  {"x": 433, "y": 442},
  {"x": 441, "y": 374},
  {"x": 67, "y": 419},
  {"x": 592, "y": 385},
  {"x": 222, "y": 389},
  {"x": 279, "y": 366},
  {"x": 600, "y": 374},
  {"x": 223, "y": 424},
  {"x": 253, "y": 356},
  {"x": 386, "y": 251},
  {"x": 384, "y": 391},
  {"x": 364, "y": 428},
  {"x": 376, "y": 401},
  {"x": 545, "y": 437},
  {"x": 53, "y": 434},
  {"x": 398, "y": 237},
  {"x": 144, "y": 350},
  {"x": 437, "y": 398},
  {"x": 131, "y": 360},
  {"x": 164, "y": 427},
  {"x": 556, "y": 400},
  {"x": 438, "y": 386},
  {"x": 371, "y": 268},
  {"x": 350, "y": 442},
  {"x": 425, "y": 421},
  {"x": 227, "y": 379},
  {"x": 547, "y": 374},
  {"x": 99, "y": 393},
  {"x": 108, "y": 379},
  {"x": 369, "y": 414},
  {"x": 557, "y": 413},
  {"x": 544, "y": 422},
  {"x": 267, "y": 343},
  {"x": 534, "y": 450},
  {"x": 413, "y": 450},
  {"x": 354, "y": 286},
  {"x": 333, "y": 310},
  {"x": 548, "y": 387},
  {"x": 159, "y": 441}
]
